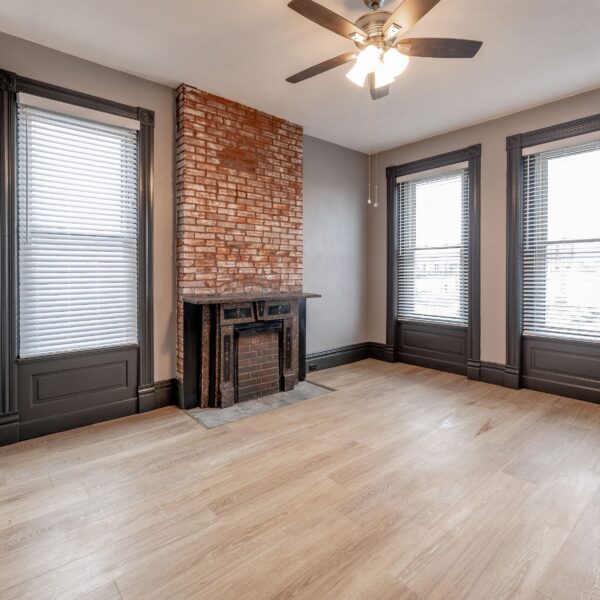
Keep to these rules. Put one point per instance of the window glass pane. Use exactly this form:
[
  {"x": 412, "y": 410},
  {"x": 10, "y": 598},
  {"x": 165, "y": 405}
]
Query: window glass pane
[
  {"x": 574, "y": 192},
  {"x": 572, "y": 284},
  {"x": 437, "y": 283},
  {"x": 439, "y": 212},
  {"x": 78, "y": 233},
  {"x": 433, "y": 253},
  {"x": 561, "y": 253}
]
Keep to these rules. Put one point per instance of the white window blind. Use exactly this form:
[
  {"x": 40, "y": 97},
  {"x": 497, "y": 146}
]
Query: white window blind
[
  {"x": 433, "y": 234},
  {"x": 78, "y": 233},
  {"x": 561, "y": 242}
]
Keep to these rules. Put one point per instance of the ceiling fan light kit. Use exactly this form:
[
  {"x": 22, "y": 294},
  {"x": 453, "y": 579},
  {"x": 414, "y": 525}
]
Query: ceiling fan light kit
[{"x": 383, "y": 51}]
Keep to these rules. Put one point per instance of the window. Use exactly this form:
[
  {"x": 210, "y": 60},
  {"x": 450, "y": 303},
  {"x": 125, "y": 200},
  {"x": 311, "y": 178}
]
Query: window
[
  {"x": 433, "y": 246},
  {"x": 77, "y": 196},
  {"x": 561, "y": 242}
]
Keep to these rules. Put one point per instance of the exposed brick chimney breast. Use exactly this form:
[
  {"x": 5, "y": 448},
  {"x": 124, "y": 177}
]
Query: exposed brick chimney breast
[{"x": 239, "y": 200}]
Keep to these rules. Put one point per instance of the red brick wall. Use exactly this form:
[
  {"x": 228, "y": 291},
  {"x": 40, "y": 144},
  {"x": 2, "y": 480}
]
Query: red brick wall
[
  {"x": 239, "y": 199},
  {"x": 258, "y": 365}
]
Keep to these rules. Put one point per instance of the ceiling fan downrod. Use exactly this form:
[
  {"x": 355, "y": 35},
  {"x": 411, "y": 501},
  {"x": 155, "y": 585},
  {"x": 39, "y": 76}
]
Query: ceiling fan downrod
[{"x": 374, "y": 4}]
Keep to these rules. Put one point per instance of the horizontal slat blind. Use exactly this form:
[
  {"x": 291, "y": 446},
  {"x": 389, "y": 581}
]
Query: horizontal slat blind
[
  {"x": 561, "y": 242},
  {"x": 78, "y": 233},
  {"x": 433, "y": 234}
]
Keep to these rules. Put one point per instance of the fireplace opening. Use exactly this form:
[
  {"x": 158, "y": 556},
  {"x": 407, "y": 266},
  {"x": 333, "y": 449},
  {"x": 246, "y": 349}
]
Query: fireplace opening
[{"x": 258, "y": 360}]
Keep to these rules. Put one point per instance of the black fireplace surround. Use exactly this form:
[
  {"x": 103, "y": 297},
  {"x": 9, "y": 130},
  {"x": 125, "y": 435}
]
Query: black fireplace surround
[{"x": 212, "y": 326}]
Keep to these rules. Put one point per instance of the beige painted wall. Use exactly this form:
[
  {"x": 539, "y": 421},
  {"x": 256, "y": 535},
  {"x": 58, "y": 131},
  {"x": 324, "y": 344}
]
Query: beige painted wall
[
  {"x": 492, "y": 135},
  {"x": 335, "y": 245},
  {"x": 41, "y": 63}
]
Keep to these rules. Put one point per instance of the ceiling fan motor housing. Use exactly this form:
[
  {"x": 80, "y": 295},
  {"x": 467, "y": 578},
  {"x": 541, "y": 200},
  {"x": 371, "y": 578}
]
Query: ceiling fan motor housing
[{"x": 372, "y": 24}]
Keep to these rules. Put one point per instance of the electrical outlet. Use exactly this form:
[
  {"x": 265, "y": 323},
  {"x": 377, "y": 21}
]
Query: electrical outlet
[{"x": 312, "y": 367}]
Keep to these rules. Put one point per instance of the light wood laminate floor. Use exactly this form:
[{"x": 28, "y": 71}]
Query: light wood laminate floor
[{"x": 404, "y": 484}]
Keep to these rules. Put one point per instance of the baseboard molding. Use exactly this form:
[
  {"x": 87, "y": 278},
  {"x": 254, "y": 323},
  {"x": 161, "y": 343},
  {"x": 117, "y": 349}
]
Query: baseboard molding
[
  {"x": 9, "y": 430},
  {"x": 160, "y": 394},
  {"x": 570, "y": 390},
  {"x": 383, "y": 352},
  {"x": 81, "y": 418},
  {"x": 432, "y": 363},
  {"x": 336, "y": 357},
  {"x": 490, "y": 372},
  {"x": 512, "y": 377}
]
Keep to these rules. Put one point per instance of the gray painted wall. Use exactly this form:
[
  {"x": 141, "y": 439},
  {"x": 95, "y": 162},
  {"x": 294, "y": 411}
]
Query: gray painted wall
[
  {"x": 335, "y": 244},
  {"x": 492, "y": 135},
  {"x": 41, "y": 63}
]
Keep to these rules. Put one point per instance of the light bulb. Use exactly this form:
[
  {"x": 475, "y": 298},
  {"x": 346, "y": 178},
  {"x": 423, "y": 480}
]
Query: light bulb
[
  {"x": 357, "y": 75},
  {"x": 368, "y": 59},
  {"x": 395, "y": 61},
  {"x": 383, "y": 75}
]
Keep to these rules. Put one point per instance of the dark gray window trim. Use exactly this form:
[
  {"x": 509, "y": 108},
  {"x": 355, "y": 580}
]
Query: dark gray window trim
[
  {"x": 10, "y": 85},
  {"x": 9, "y": 427},
  {"x": 514, "y": 232},
  {"x": 471, "y": 154}
]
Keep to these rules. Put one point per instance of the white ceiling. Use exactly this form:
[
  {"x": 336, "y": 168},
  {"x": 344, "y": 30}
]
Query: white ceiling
[{"x": 534, "y": 51}]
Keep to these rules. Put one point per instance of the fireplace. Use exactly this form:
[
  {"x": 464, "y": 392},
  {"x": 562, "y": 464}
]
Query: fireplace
[{"x": 240, "y": 347}]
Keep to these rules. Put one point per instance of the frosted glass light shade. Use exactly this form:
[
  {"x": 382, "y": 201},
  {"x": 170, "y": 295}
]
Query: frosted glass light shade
[
  {"x": 395, "y": 61},
  {"x": 368, "y": 59},
  {"x": 383, "y": 75},
  {"x": 357, "y": 75}
]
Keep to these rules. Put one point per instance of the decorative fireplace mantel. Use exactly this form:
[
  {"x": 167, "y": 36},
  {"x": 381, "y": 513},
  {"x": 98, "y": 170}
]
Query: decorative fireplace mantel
[{"x": 217, "y": 361}]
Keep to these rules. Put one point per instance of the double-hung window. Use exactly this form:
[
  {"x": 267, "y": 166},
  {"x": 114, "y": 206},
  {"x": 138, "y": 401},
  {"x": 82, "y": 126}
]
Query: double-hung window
[
  {"x": 561, "y": 242},
  {"x": 433, "y": 246},
  {"x": 77, "y": 231}
]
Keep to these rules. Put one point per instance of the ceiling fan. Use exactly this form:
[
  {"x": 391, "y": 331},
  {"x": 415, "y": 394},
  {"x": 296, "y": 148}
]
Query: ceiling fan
[{"x": 383, "y": 53}]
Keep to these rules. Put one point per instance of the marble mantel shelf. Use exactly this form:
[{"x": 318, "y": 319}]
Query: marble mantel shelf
[{"x": 246, "y": 297}]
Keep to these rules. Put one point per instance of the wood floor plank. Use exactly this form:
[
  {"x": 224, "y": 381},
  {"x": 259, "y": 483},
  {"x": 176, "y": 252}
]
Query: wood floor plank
[
  {"x": 106, "y": 592},
  {"x": 575, "y": 571}
]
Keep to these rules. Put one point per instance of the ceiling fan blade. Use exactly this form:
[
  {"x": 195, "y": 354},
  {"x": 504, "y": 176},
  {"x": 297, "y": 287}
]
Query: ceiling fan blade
[
  {"x": 406, "y": 15},
  {"x": 377, "y": 93},
  {"x": 322, "y": 67},
  {"x": 439, "y": 47},
  {"x": 328, "y": 19}
]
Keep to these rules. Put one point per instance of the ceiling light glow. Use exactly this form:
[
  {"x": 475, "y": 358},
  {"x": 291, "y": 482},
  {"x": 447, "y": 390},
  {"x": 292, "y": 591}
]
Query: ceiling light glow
[
  {"x": 383, "y": 75},
  {"x": 395, "y": 61},
  {"x": 368, "y": 59},
  {"x": 385, "y": 67},
  {"x": 357, "y": 75}
]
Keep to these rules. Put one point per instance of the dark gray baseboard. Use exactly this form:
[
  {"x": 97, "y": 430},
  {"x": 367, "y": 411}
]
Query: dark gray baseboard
[
  {"x": 494, "y": 373},
  {"x": 490, "y": 372},
  {"x": 432, "y": 363},
  {"x": 570, "y": 390},
  {"x": 383, "y": 352},
  {"x": 336, "y": 357},
  {"x": 487, "y": 372},
  {"x": 159, "y": 395},
  {"x": 80, "y": 418},
  {"x": 326, "y": 359},
  {"x": 9, "y": 430},
  {"x": 559, "y": 366}
]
